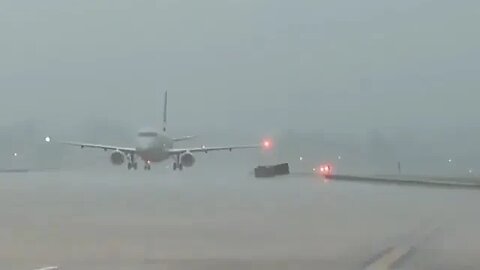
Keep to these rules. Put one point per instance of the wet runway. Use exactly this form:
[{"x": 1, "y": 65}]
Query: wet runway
[{"x": 207, "y": 219}]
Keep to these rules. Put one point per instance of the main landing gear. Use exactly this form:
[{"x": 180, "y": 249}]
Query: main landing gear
[
  {"x": 132, "y": 164},
  {"x": 177, "y": 164}
]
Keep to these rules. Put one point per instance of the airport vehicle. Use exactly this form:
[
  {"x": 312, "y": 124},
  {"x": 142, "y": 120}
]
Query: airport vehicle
[
  {"x": 273, "y": 170},
  {"x": 154, "y": 146}
]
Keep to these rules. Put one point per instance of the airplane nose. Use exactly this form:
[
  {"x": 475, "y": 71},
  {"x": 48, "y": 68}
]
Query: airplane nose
[{"x": 145, "y": 145}]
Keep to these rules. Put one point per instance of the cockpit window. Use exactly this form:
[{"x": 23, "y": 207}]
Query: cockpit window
[{"x": 148, "y": 134}]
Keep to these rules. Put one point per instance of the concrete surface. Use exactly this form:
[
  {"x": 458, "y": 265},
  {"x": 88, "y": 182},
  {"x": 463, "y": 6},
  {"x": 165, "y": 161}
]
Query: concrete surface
[{"x": 207, "y": 219}]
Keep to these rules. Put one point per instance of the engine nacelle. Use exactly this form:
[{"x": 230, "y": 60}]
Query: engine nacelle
[
  {"x": 117, "y": 158},
  {"x": 187, "y": 159}
]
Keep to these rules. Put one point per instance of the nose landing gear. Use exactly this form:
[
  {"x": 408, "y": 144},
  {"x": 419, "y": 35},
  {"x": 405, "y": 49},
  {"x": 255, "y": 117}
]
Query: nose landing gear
[{"x": 147, "y": 166}]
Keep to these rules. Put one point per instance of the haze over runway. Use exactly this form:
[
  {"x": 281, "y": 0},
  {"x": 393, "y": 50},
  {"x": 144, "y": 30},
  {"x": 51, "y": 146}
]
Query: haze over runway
[
  {"x": 368, "y": 84},
  {"x": 223, "y": 219},
  {"x": 345, "y": 65}
]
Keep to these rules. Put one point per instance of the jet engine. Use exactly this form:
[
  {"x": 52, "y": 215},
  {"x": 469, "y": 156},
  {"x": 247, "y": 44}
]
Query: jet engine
[
  {"x": 187, "y": 159},
  {"x": 117, "y": 158}
]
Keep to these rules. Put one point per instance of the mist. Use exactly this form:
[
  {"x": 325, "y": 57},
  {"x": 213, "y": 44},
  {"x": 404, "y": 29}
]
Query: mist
[
  {"x": 364, "y": 85},
  {"x": 240, "y": 70},
  {"x": 242, "y": 65}
]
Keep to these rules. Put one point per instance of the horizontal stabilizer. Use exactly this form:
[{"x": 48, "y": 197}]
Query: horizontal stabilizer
[{"x": 184, "y": 138}]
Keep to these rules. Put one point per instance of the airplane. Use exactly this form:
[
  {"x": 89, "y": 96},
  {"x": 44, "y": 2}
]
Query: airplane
[{"x": 153, "y": 147}]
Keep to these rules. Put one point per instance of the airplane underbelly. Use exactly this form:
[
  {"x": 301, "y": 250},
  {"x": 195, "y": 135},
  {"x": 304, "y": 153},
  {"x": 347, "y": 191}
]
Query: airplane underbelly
[
  {"x": 153, "y": 155},
  {"x": 153, "y": 150}
]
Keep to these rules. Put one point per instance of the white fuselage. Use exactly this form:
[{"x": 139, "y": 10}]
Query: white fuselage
[{"x": 153, "y": 146}]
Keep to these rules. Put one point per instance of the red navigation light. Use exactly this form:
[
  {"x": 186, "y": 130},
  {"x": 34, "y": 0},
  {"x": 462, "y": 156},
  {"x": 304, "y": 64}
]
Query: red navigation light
[{"x": 267, "y": 144}]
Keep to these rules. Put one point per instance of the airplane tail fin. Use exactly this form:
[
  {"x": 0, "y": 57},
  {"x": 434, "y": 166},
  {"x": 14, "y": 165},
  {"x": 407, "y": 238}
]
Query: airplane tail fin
[{"x": 165, "y": 112}]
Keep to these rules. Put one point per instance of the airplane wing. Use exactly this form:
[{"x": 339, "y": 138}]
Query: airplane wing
[
  {"x": 184, "y": 138},
  {"x": 101, "y": 146},
  {"x": 127, "y": 150},
  {"x": 205, "y": 149}
]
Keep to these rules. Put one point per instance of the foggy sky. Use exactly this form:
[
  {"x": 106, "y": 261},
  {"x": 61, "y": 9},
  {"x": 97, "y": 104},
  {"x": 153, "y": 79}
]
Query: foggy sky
[{"x": 242, "y": 64}]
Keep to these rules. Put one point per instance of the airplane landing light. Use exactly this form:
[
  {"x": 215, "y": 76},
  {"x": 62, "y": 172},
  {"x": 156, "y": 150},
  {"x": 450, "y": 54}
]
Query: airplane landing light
[{"x": 47, "y": 139}]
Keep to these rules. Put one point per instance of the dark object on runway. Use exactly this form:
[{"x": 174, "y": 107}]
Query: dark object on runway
[
  {"x": 264, "y": 171},
  {"x": 282, "y": 169},
  {"x": 271, "y": 171}
]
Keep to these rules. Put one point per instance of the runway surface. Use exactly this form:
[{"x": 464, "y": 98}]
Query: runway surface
[{"x": 207, "y": 219}]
